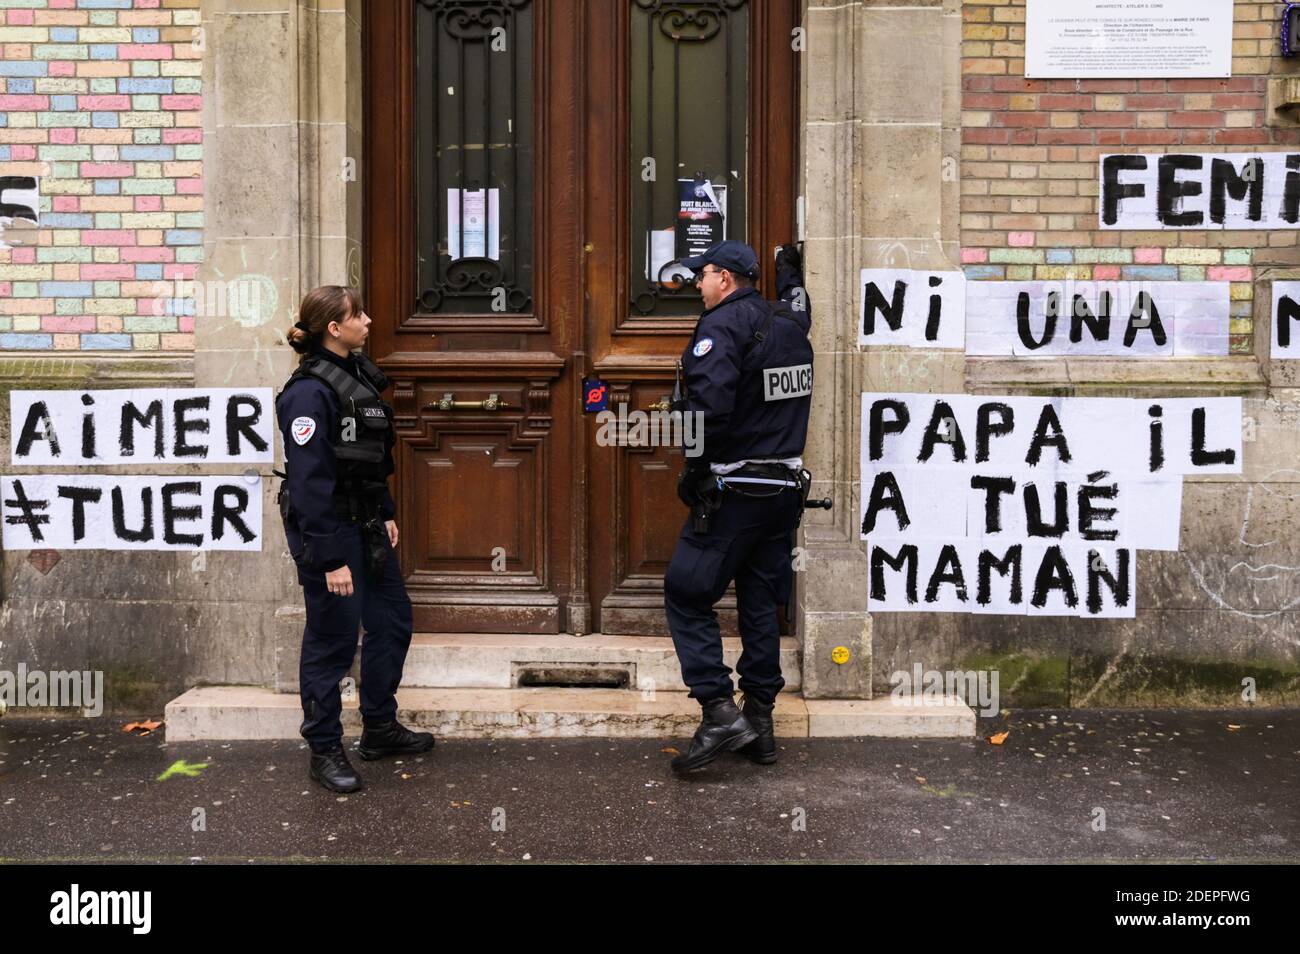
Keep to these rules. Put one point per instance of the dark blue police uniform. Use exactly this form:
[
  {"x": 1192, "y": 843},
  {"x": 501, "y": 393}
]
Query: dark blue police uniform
[
  {"x": 748, "y": 370},
  {"x": 334, "y": 491}
]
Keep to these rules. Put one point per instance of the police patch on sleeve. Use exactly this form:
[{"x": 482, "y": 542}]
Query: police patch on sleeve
[
  {"x": 791, "y": 382},
  {"x": 702, "y": 347},
  {"x": 302, "y": 430}
]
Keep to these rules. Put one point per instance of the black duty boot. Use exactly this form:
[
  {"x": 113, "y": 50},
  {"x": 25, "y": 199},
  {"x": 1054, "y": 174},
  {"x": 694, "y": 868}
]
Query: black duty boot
[
  {"x": 763, "y": 749},
  {"x": 723, "y": 729},
  {"x": 392, "y": 738},
  {"x": 332, "y": 769}
]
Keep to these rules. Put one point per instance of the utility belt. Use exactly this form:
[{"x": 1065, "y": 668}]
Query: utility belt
[{"x": 755, "y": 481}]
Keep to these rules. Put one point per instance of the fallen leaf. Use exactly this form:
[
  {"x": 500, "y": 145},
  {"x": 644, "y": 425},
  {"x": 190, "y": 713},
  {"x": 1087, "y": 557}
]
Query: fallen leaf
[
  {"x": 670, "y": 750},
  {"x": 921, "y": 779},
  {"x": 999, "y": 738},
  {"x": 147, "y": 726},
  {"x": 1233, "y": 728}
]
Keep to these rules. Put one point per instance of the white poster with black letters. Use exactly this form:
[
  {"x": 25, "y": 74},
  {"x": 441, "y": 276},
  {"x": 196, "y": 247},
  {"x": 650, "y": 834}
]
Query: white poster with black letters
[
  {"x": 146, "y": 425},
  {"x": 912, "y": 309},
  {"x": 1286, "y": 322},
  {"x": 1027, "y": 505},
  {"x": 128, "y": 512},
  {"x": 1048, "y": 319},
  {"x": 1201, "y": 191}
]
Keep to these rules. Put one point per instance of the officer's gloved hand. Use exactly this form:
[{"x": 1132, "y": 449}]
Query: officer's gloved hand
[
  {"x": 688, "y": 485},
  {"x": 788, "y": 257}
]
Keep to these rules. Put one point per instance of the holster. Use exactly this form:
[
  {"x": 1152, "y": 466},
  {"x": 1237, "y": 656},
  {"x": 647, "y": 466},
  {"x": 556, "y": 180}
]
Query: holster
[
  {"x": 709, "y": 498},
  {"x": 376, "y": 546}
]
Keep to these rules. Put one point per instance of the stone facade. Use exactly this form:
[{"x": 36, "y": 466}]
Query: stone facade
[{"x": 922, "y": 146}]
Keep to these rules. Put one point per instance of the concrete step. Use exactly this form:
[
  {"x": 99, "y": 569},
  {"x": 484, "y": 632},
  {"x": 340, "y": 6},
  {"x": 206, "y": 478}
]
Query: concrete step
[
  {"x": 485, "y": 661},
  {"x": 246, "y": 712}
]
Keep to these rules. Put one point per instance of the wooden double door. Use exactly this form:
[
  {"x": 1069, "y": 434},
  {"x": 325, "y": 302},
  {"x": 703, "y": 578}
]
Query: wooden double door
[{"x": 531, "y": 171}]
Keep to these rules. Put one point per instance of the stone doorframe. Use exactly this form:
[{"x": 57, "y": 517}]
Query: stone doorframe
[{"x": 881, "y": 143}]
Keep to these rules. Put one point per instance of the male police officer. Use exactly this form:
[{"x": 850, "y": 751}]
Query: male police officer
[{"x": 748, "y": 372}]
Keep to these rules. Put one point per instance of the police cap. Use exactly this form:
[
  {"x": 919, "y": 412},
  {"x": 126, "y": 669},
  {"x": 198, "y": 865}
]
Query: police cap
[{"x": 729, "y": 254}]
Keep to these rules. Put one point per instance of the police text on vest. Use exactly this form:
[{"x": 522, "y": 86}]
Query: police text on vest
[{"x": 781, "y": 383}]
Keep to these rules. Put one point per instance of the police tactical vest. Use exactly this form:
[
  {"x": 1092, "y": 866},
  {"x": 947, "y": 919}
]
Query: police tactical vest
[{"x": 366, "y": 433}]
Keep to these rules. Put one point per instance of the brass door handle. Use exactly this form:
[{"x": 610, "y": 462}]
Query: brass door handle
[{"x": 492, "y": 402}]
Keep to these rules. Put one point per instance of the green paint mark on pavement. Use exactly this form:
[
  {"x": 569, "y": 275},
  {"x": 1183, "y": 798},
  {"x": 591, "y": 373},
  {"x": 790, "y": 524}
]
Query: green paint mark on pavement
[{"x": 181, "y": 767}]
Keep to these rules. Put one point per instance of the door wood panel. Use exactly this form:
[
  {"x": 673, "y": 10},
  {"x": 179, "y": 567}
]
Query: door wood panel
[{"x": 586, "y": 530}]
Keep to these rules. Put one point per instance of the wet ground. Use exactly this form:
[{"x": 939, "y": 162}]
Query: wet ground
[{"x": 1064, "y": 786}]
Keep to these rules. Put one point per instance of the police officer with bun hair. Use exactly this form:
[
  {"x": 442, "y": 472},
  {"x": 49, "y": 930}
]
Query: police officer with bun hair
[
  {"x": 338, "y": 516},
  {"x": 748, "y": 372}
]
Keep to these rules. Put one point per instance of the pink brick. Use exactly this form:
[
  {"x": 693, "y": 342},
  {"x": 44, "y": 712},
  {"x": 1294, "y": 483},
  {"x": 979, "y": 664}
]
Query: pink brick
[
  {"x": 68, "y": 323},
  {"x": 150, "y": 253},
  {"x": 21, "y": 17},
  {"x": 103, "y": 102},
  {"x": 182, "y": 135},
  {"x": 63, "y": 68},
  {"x": 6, "y": 289},
  {"x": 23, "y": 101},
  {"x": 66, "y": 203},
  {"x": 1105, "y": 273},
  {"x": 147, "y": 4},
  {"x": 66, "y": 136},
  {"x": 23, "y": 256},
  {"x": 144, "y": 51},
  {"x": 22, "y": 153},
  {"x": 107, "y": 237},
  {"x": 148, "y": 203},
  {"x": 1020, "y": 239},
  {"x": 974, "y": 256},
  {"x": 62, "y": 4},
  {"x": 182, "y": 102},
  {"x": 186, "y": 323},
  {"x": 104, "y": 271},
  {"x": 1148, "y": 256},
  {"x": 189, "y": 186},
  {"x": 1230, "y": 273},
  {"x": 186, "y": 270},
  {"x": 107, "y": 170}
]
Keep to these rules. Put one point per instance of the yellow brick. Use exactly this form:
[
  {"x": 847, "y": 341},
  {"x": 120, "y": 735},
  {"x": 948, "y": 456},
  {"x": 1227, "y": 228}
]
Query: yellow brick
[
  {"x": 1239, "y": 119},
  {"x": 1198, "y": 101},
  {"x": 149, "y": 220},
  {"x": 27, "y": 323},
  {"x": 26, "y": 273},
  {"x": 109, "y": 306},
  {"x": 103, "y": 35},
  {"x": 24, "y": 34},
  {"x": 1063, "y": 120},
  {"x": 1109, "y": 103},
  {"x": 973, "y": 31}
]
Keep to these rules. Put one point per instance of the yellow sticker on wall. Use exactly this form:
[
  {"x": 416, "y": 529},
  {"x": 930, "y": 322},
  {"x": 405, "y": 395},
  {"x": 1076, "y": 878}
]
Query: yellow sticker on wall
[{"x": 840, "y": 655}]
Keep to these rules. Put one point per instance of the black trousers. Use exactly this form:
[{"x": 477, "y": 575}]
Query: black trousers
[
  {"x": 329, "y": 643},
  {"x": 750, "y": 541}
]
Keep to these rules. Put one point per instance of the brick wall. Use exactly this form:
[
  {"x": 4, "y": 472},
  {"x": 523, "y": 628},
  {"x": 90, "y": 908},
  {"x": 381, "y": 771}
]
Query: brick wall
[
  {"x": 102, "y": 100},
  {"x": 1030, "y": 153}
]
